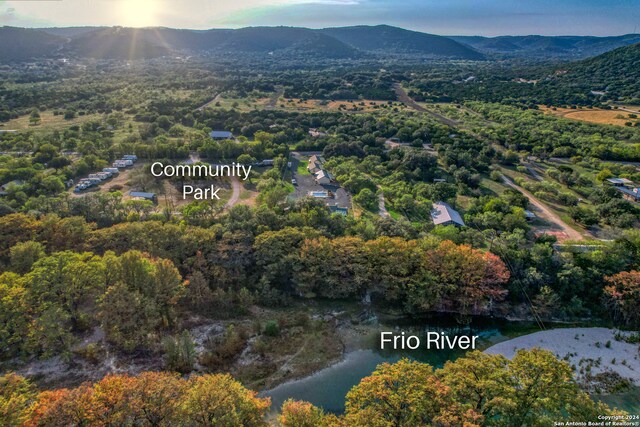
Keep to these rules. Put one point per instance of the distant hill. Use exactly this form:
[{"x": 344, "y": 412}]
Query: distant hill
[
  {"x": 22, "y": 44},
  {"x": 394, "y": 39},
  {"x": 117, "y": 43},
  {"x": 617, "y": 73},
  {"x": 346, "y": 42},
  {"x": 340, "y": 42},
  {"x": 565, "y": 47}
]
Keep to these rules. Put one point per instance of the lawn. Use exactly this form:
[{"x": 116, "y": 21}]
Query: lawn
[{"x": 302, "y": 168}]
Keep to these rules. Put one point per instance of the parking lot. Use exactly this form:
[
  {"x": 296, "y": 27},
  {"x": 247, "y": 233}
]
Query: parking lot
[{"x": 307, "y": 184}]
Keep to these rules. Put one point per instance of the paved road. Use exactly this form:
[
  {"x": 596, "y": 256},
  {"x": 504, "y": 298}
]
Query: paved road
[
  {"x": 542, "y": 211},
  {"x": 215, "y": 98},
  {"x": 408, "y": 101},
  {"x": 236, "y": 186}
]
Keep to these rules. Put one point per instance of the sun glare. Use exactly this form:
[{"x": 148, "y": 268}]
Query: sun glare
[{"x": 139, "y": 13}]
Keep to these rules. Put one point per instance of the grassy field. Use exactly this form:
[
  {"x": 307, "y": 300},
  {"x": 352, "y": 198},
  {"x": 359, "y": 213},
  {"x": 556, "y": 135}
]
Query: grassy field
[
  {"x": 593, "y": 115},
  {"x": 49, "y": 122}
]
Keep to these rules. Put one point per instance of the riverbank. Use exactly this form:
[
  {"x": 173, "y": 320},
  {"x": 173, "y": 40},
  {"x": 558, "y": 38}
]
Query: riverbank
[{"x": 601, "y": 359}]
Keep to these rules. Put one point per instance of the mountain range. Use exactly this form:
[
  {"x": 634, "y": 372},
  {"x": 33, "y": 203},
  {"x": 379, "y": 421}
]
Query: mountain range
[
  {"x": 566, "y": 47},
  {"x": 20, "y": 44},
  {"x": 131, "y": 43}
]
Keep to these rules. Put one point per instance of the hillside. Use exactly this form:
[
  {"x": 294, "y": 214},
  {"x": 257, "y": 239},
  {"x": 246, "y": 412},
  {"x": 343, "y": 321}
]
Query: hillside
[
  {"x": 547, "y": 46},
  {"x": 21, "y": 44},
  {"x": 117, "y": 43},
  {"x": 393, "y": 39},
  {"x": 617, "y": 73},
  {"x": 345, "y": 42}
]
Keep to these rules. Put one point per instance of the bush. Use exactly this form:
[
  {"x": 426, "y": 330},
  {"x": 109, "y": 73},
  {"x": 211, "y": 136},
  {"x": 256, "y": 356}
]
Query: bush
[{"x": 272, "y": 329}]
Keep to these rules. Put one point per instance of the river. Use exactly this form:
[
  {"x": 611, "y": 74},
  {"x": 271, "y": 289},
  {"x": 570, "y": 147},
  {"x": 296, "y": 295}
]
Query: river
[{"x": 328, "y": 387}]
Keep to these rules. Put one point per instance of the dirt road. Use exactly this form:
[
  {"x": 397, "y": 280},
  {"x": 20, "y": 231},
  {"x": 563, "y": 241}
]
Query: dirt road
[
  {"x": 542, "y": 211},
  {"x": 382, "y": 210},
  {"x": 408, "y": 101}
]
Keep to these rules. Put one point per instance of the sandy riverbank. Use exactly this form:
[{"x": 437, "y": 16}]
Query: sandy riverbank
[{"x": 595, "y": 348}]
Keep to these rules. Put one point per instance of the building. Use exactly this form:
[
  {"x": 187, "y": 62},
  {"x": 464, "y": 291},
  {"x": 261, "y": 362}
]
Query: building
[
  {"x": 143, "y": 195},
  {"x": 323, "y": 177},
  {"x": 315, "y": 133},
  {"x": 315, "y": 164},
  {"x": 619, "y": 182},
  {"x": 632, "y": 194},
  {"x": 443, "y": 214},
  {"x": 221, "y": 134}
]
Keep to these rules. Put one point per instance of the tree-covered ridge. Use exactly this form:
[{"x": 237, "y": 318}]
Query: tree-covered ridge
[{"x": 476, "y": 390}]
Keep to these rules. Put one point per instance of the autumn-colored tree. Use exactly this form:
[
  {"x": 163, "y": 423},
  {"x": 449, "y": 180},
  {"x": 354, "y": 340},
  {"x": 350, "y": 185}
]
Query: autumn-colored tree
[
  {"x": 623, "y": 296},
  {"x": 297, "y": 413},
  {"x": 62, "y": 407},
  {"x": 405, "y": 393},
  {"x": 15, "y": 228},
  {"x": 473, "y": 279},
  {"x": 220, "y": 401},
  {"x": 156, "y": 397},
  {"x": 16, "y": 395}
]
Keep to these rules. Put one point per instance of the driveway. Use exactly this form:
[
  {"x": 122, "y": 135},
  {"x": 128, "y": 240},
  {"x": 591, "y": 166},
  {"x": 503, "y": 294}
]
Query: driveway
[{"x": 542, "y": 211}]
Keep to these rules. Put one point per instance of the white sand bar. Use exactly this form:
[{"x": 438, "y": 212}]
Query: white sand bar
[{"x": 580, "y": 343}]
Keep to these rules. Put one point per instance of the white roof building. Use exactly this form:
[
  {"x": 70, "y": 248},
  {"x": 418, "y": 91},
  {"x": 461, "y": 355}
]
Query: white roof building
[{"x": 443, "y": 214}]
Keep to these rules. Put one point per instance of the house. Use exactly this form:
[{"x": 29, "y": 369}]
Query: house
[
  {"x": 315, "y": 163},
  {"x": 314, "y": 167},
  {"x": 323, "y": 177},
  {"x": 315, "y": 133},
  {"x": 619, "y": 182},
  {"x": 632, "y": 194},
  {"x": 443, "y": 214},
  {"x": 221, "y": 134},
  {"x": 143, "y": 195}
]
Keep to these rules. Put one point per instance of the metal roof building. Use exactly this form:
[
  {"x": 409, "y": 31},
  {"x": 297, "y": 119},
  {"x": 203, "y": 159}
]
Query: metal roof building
[
  {"x": 221, "y": 134},
  {"x": 443, "y": 214}
]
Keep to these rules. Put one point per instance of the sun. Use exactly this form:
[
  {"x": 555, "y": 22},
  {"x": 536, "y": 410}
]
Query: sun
[{"x": 138, "y": 13}]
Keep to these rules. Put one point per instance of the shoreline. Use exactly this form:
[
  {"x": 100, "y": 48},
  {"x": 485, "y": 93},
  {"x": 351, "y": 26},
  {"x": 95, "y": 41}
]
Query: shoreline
[{"x": 590, "y": 351}]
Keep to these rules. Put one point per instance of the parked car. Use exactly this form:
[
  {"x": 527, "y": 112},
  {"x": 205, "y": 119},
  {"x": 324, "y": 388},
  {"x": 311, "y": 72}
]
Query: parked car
[{"x": 294, "y": 181}]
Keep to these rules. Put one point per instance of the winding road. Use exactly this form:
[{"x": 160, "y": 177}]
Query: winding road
[
  {"x": 410, "y": 102},
  {"x": 236, "y": 187}
]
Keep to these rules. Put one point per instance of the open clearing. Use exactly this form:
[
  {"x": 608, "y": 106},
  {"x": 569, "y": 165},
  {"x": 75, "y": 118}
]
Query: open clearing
[
  {"x": 49, "y": 122},
  {"x": 592, "y": 115}
]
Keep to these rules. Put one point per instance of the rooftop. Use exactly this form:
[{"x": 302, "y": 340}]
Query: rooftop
[
  {"x": 220, "y": 134},
  {"x": 443, "y": 213},
  {"x": 142, "y": 194},
  {"x": 620, "y": 181}
]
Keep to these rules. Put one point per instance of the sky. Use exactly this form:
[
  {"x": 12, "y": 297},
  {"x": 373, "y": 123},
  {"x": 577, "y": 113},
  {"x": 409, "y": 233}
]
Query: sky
[{"x": 446, "y": 17}]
